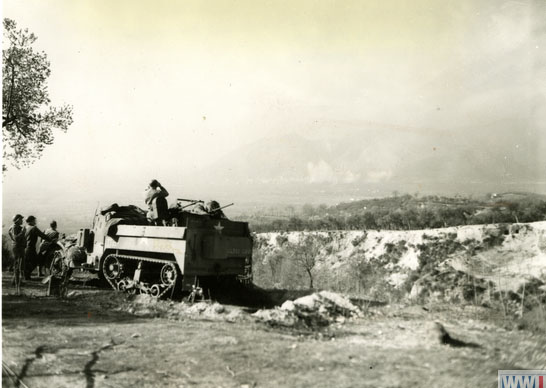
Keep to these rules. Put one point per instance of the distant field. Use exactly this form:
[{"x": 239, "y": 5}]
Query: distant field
[
  {"x": 328, "y": 210},
  {"x": 70, "y": 217}
]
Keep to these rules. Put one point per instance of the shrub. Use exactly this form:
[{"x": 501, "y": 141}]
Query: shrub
[{"x": 359, "y": 239}]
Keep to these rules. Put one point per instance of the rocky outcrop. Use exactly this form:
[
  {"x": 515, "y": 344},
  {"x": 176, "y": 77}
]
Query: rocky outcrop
[{"x": 449, "y": 263}]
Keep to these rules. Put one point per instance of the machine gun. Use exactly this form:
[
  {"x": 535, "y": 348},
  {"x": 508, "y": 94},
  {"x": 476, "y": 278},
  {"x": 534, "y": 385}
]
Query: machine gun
[
  {"x": 220, "y": 208},
  {"x": 191, "y": 202},
  {"x": 196, "y": 201}
]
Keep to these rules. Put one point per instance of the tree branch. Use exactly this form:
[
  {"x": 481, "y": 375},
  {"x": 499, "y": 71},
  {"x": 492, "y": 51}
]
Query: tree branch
[
  {"x": 8, "y": 121},
  {"x": 11, "y": 87}
]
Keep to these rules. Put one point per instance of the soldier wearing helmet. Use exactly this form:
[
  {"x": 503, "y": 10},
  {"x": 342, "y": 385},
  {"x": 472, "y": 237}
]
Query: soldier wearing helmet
[
  {"x": 47, "y": 248},
  {"x": 32, "y": 233},
  {"x": 17, "y": 236},
  {"x": 214, "y": 209},
  {"x": 155, "y": 198}
]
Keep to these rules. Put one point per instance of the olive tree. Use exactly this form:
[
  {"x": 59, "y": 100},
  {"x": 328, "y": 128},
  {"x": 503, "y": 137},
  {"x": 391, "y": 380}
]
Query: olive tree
[
  {"x": 305, "y": 253},
  {"x": 28, "y": 120}
]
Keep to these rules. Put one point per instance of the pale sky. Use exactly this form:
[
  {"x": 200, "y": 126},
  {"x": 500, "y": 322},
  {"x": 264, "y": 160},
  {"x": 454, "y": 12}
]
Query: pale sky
[{"x": 163, "y": 88}]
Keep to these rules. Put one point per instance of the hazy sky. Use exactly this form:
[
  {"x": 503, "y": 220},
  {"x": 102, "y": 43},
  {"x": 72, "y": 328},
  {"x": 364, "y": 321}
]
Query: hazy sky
[{"x": 160, "y": 87}]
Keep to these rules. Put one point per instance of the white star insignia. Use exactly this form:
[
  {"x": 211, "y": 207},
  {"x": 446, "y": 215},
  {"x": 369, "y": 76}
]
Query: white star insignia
[{"x": 219, "y": 227}]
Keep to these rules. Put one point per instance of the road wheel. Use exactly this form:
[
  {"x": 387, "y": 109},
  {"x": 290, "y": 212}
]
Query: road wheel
[{"x": 112, "y": 267}]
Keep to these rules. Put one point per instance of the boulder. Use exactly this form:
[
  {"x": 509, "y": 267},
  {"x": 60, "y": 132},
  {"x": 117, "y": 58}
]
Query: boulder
[{"x": 318, "y": 309}]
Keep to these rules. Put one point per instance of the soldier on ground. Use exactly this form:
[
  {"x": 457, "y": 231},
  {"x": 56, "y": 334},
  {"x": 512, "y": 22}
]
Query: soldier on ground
[
  {"x": 155, "y": 198},
  {"x": 17, "y": 236},
  {"x": 47, "y": 247},
  {"x": 62, "y": 268},
  {"x": 32, "y": 233}
]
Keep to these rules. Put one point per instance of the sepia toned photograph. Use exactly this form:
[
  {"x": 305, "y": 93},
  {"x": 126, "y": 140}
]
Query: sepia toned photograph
[{"x": 273, "y": 193}]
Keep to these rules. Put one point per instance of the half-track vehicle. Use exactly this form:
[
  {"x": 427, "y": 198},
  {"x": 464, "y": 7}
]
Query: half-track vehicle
[{"x": 133, "y": 256}]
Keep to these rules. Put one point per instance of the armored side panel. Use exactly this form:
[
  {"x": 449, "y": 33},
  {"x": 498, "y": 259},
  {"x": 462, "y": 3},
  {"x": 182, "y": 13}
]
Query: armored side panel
[
  {"x": 217, "y": 247},
  {"x": 167, "y": 242}
]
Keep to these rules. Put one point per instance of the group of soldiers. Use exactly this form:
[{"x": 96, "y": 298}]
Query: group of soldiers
[{"x": 26, "y": 257}]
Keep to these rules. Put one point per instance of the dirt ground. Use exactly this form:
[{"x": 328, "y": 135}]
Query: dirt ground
[{"x": 92, "y": 339}]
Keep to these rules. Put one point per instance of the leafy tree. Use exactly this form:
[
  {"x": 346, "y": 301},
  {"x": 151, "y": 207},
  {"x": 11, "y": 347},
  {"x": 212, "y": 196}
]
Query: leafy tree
[
  {"x": 295, "y": 223},
  {"x": 28, "y": 119},
  {"x": 306, "y": 252},
  {"x": 369, "y": 220},
  {"x": 513, "y": 208},
  {"x": 354, "y": 221}
]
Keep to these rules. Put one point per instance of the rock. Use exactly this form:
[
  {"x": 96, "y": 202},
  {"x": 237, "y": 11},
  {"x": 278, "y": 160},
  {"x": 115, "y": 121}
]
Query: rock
[
  {"x": 218, "y": 308},
  {"x": 288, "y": 306},
  {"x": 324, "y": 307},
  {"x": 276, "y": 317},
  {"x": 234, "y": 315},
  {"x": 318, "y": 309},
  {"x": 309, "y": 302},
  {"x": 416, "y": 290},
  {"x": 445, "y": 338},
  {"x": 198, "y": 308}
]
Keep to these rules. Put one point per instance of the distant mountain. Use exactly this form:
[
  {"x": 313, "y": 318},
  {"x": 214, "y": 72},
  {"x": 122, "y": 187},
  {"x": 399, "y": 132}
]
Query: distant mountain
[
  {"x": 327, "y": 165},
  {"x": 380, "y": 160}
]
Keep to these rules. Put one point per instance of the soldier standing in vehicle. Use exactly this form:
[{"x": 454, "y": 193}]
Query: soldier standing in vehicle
[
  {"x": 17, "y": 236},
  {"x": 32, "y": 233},
  {"x": 215, "y": 210},
  {"x": 155, "y": 198}
]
